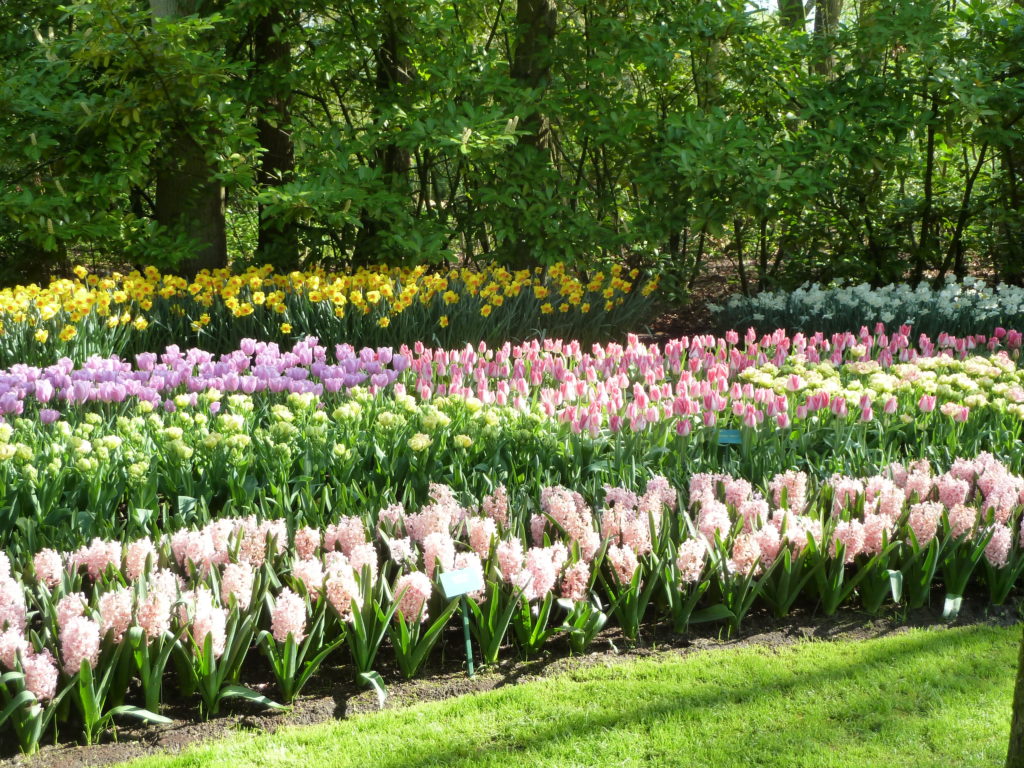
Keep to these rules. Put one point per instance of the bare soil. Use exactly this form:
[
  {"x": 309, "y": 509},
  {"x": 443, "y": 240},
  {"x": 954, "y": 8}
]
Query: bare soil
[
  {"x": 713, "y": 285},
  {"x": 333, "y": 694}
]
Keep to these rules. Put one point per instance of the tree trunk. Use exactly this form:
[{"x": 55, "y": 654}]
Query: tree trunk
[
  {"x": 536, "y": 22},
  {"x": 530, "y": 68},
  {"x": 737, "y": 230},
  {"x": 927, "y": 243},
  {"x": 955, "y": 254},
  {"x": 393, "y": 70},
  {"x": 791, "y": 14},
  {"x": 826, "y": 22},
  {"x": 1011, "y": 265},
  {"x": 189, "y": 200},
  {"x": 278, "y": 242}
]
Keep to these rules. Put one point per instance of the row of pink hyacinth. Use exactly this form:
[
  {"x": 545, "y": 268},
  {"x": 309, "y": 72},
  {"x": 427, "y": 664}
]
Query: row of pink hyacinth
[
  {"x": 614, "y": 385},
  {"x": 974, "y": 498},
  {"x": 191, "y": 580}
]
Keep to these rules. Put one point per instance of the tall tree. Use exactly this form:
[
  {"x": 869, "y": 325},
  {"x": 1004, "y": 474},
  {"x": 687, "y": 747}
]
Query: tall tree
[
  {"x": 826, "y": 22},
  {"x": 277, "y": 240},
  {"x": 190, "y": 201},
  {"x": 792, "y": 15},
  {"x": 393, "y": 72},
  {"x": 536, "y": 23}
]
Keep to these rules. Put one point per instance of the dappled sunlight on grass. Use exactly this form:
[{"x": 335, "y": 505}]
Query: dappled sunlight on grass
[{"x": 929, "y": 698}]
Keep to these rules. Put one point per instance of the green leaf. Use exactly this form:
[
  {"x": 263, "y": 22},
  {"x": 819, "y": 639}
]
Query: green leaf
[
  {"x": 717, "y": 612},
  {"x": 186, "y": 507},
  {"x": 896, "y": 584},
  {"x": 372, "y": 679},
  {"x": 139, "y": 714},
  {"x": 25, "y": 697},
  {"x": 241, "y": 692}
]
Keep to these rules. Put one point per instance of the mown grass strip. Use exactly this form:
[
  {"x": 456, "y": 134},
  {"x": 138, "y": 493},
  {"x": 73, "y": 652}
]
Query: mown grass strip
[{"x": 937, "y": 697}]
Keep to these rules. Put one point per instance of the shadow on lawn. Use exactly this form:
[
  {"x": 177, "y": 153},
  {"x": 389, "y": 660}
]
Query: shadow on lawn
[{"x": 874, "y": 663}]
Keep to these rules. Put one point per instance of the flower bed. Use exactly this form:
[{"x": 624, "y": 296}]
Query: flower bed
[
  {"x": 165, "y": 517},
  {"x": 140, "y": 312},
  {"x": 110, "y": 449},
  {"x": 79, "y": 626},
  {"x": 962, "y": 308}
]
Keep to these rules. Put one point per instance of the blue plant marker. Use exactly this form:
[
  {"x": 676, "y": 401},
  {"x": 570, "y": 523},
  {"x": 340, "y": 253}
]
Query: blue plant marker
[
  {"x": 458, "y": 584},
  {"x": 730, "y": 437}
]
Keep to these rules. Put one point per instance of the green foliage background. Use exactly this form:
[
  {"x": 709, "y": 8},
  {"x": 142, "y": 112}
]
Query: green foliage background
[{"x": 889, "y": 145}]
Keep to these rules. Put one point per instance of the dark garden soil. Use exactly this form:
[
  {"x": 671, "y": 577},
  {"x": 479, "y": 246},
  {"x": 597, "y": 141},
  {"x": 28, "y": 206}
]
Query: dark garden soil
[
  {"x": 333, "y": 695},
  {"x": 712, "y": 286}
]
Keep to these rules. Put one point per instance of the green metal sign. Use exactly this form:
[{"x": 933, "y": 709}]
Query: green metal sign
[{"x": 730, "y": 437}]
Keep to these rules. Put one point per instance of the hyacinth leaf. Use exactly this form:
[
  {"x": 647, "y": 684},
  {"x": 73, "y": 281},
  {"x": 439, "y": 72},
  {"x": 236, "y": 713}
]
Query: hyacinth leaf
[
  {"x": 414, "y": 654},
  {"x": 186, "y": 506},
  {"x": 8, "y": 677},
  {"x": 896, "y": 584},
  {"x": 313, "y": 665},
  {"x": 372, "y": 679},
  {"x": 583, "y": 622},
  {"x": 951, "y": 607},
  {"x": 532, "y": 632},
  {"x": 683, "y": 601},
  {"x": 789, "y": 581},
  {"x": 138, "y": 713},
  {"x": 492, "y": 620},
  {"x": 247, "y": 694},
  {"x": 961, "y": 559},
  {"x": 718, "y": 612},
  {"x": 21, "y": 699},
  {"x": 87, "y": 698}
]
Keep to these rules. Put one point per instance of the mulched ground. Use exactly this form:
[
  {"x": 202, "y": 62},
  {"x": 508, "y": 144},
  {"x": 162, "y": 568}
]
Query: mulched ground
[
  {"x": 714, "y": 285},
  {"x": 333, "y": 695}
]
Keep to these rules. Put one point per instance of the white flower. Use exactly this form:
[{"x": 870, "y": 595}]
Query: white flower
[{"x": 420, "y": 442}]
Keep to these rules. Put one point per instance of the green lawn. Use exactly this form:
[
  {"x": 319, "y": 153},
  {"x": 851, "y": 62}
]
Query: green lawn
[{"x": 936, "y": 697}]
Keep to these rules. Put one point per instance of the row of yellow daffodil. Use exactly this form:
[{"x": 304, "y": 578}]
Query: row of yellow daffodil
[{"x": 126, "y": 313}]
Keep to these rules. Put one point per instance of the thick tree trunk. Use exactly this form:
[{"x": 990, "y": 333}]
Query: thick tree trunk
[
  {"x": 278, "y": 241},
  {"x": 1011, "y": 264},
  {"x": 791, "y": 14},
  {"x": 536, "y": 22},
  {"x": 826, "y": 22},
  {"x": 393, "y": 71},
  {"x": 189, "y": 200}
]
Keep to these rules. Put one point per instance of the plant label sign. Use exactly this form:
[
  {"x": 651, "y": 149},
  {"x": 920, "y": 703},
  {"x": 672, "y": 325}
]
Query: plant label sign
[
  {"x": 461, "y": 582},
  {"x": 730, "y": 437}
]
